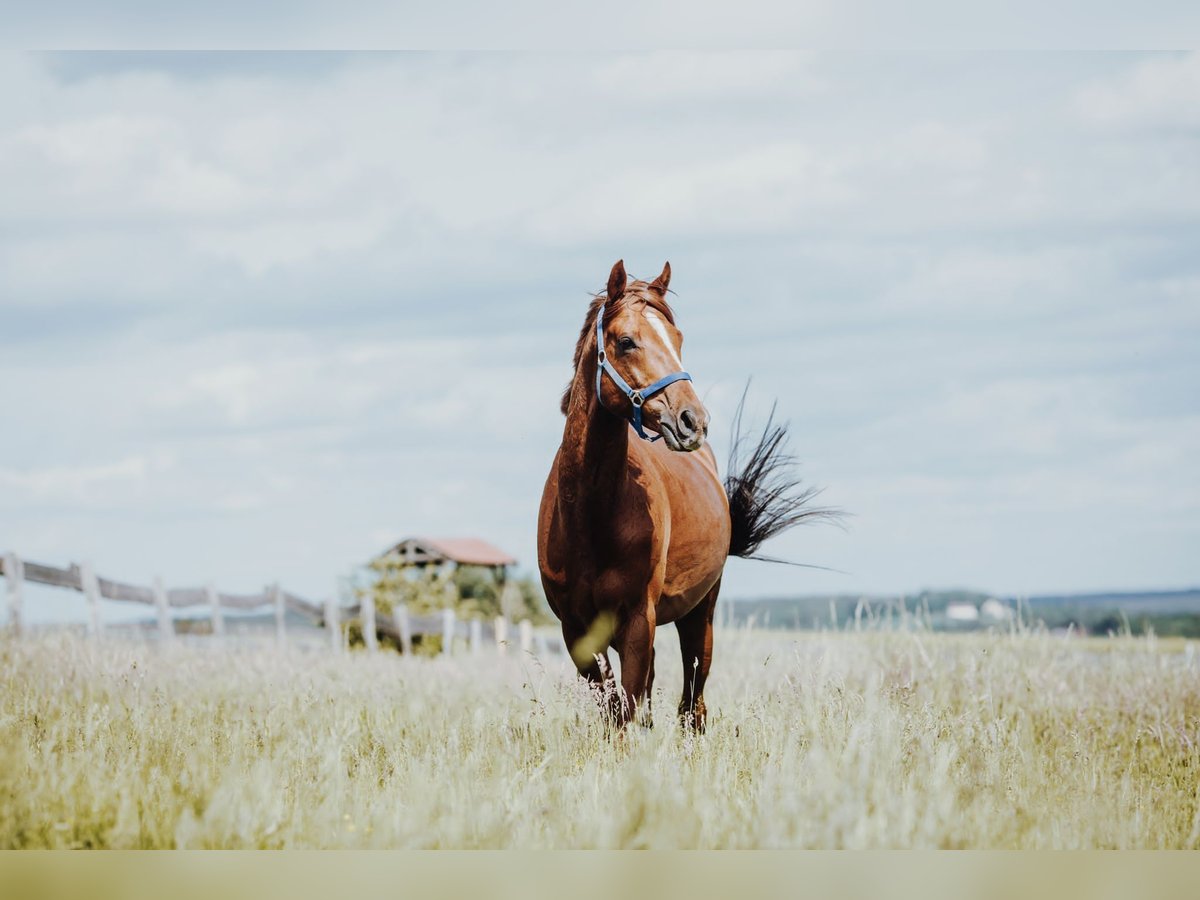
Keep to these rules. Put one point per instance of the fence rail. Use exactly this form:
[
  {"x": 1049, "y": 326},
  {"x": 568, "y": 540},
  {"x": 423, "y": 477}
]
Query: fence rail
[
  {"x": 400, "y": 627},
  {"x": 177, "y": 598}
]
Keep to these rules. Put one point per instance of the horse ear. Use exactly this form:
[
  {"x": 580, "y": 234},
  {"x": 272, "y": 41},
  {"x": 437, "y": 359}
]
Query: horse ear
[
  {"x": 660, "y": 283},
  {"x": 616, "y": 281}
]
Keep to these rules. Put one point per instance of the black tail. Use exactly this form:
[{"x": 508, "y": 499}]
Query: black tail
[{"x": 766, "y": 497}]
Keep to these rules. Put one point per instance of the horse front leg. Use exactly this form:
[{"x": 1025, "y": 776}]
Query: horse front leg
[
  {"x": 594, "y": 667},
  {"x": 635, "y": 646},
  {"x": 695, "y": 645}
]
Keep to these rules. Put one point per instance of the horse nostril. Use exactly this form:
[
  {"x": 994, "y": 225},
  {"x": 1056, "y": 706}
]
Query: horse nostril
[{"x": 688, "y": 419}]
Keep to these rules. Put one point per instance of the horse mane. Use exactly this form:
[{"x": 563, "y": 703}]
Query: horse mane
[{"x": 636, "y": 292}]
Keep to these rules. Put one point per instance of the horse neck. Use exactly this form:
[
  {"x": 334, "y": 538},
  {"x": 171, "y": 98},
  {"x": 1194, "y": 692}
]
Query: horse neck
[{"x": 593, "y": 458}]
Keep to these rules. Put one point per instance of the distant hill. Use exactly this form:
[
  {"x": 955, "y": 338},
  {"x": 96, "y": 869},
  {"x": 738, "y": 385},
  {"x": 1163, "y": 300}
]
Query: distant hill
[
  {"x": 1186, "y": 600},
  {"x": 1174, "y": 612}
]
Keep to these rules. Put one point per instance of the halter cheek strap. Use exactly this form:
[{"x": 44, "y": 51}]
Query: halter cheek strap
[{"x": 636, "y": 397}]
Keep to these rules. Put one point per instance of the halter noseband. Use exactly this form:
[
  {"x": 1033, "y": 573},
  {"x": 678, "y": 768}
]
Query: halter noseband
[{"x": 636, "y": 397}]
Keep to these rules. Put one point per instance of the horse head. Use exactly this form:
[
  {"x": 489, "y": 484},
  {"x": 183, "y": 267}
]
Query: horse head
[{"x": 638, "y": 346}]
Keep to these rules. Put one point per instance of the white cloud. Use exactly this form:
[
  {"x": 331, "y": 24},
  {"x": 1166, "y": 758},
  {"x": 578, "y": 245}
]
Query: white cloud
[
  {"x": 682, "y": 76},
  {"x": 75, "y": 484},
  {"x": 760, "y": 189},
  {"x": 1161, "y": 93},
  {"x": 286, "y": 243}
]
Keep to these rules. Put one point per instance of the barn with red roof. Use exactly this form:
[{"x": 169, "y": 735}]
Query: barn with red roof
[{"x": 463, "y": 551}]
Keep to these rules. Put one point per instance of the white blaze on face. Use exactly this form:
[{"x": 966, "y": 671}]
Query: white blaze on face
[{"x": 661, "y": 330}]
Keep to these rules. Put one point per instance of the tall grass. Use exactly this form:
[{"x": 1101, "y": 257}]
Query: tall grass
[{"x": 815, "y": 740}]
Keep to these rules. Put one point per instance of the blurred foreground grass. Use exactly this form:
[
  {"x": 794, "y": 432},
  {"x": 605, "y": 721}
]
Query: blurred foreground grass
[{"x": 815, "y": 740}]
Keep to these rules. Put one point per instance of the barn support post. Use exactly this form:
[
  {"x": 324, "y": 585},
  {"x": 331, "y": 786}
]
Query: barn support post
[
  {"x": 526, "y": 628},
  {"x": 332, "y": 625},
  {"x": 166, "y": 630},
  {"x": 501, "y": 634},
  {"x": 511, "y": 603},
  {"x": 90, "y": 585},
  {"x": 14, "y": 573},
  {"x": 403, "y": 628},
  {"x": 370, "y": 636},
  {"x": 476, "y": 636},
  {"x": 447, "y": 632},
  {"x": 214, "y": 606}
]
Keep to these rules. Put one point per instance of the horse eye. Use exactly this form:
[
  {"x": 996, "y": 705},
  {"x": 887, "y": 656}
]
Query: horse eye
[{"x": 626, "y": 343}]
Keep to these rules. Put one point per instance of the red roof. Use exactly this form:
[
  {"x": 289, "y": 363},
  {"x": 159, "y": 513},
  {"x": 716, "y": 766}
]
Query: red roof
[
  {"x": 464, "y": 551},
  {"x": 470, "y": 551}
]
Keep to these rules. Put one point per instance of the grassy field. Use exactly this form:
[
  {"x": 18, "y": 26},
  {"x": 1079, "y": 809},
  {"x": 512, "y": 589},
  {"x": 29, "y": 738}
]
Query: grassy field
[{"x": 815, "y": 740}]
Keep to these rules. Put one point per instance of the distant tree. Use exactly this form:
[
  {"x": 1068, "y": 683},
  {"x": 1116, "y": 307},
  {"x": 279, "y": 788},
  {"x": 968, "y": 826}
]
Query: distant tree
[
  {"x": 478, "y": 590},
  {"x": 425, "y": 589},
  {"x": 473, "y": 592}
]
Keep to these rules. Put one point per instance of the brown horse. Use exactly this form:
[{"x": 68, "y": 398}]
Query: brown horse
[{"x": 633, "y": 533}]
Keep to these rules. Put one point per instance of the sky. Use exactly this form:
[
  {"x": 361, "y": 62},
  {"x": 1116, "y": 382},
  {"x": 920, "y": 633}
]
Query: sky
[
  {"x": 263, "y": 314},
  {"x": 646, "y": 25}
]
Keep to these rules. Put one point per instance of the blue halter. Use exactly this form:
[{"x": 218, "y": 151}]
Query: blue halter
[{"x": 636, "y": 397}]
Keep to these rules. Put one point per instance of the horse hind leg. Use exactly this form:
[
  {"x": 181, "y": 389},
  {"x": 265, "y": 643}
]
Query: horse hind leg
[
  {"x": 650, "y": 690},
  {"x": 695, "y": 645}
]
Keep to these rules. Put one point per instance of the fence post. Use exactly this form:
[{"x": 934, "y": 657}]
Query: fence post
[
  {"x": 332, "y": 625},
  {"x": 214, "y": 604},
  {"x": 447, "y": 631},
  {"x": 14, "y": 572},
  {"x": 400, "y": 617},
  {"x": 166, "y": 630},
  {"x": 501, "y": 634},
  {"x": 476, "y": 636},
  {"x": 526, "y": 628},
  {"x": 276, "y": 595},
  {"x": 91, "y": 590},
  {"x": 370, "y": 638}
]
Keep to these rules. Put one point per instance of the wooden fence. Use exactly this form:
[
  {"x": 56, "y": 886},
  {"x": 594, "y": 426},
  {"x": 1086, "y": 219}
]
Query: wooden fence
[{"x": 401, "y": 627}]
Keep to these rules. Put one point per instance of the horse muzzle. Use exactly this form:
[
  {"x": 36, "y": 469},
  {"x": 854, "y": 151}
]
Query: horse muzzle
[{"x": 686, "y": 430}]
